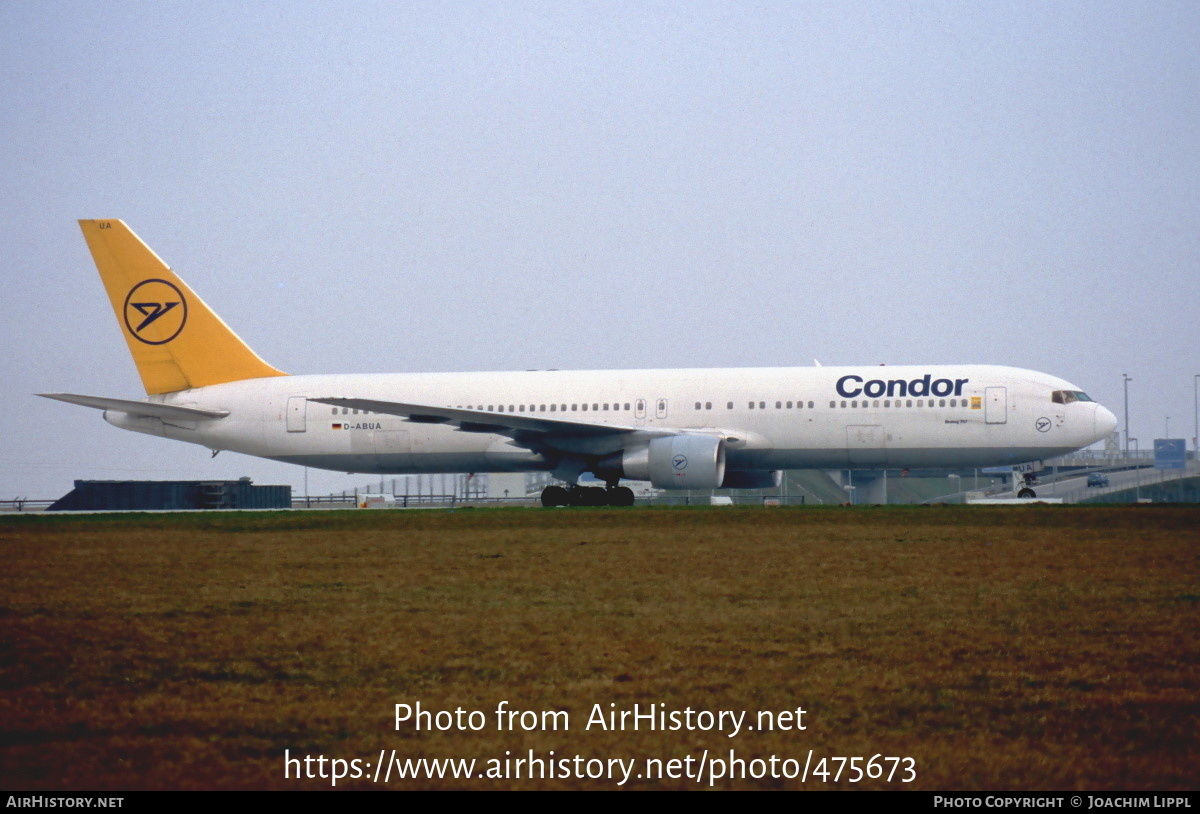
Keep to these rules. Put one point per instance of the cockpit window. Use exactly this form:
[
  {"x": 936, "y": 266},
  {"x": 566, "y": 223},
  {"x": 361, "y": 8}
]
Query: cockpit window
[{"x": 1068, "y": 396}]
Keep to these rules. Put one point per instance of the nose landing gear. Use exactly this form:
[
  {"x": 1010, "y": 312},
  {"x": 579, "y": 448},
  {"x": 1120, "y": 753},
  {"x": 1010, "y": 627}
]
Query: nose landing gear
[{"x": 1026, "y": 484}]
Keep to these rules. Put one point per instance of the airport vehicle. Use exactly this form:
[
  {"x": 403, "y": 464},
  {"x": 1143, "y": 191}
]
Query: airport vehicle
[
  {"x": 1097, "y": 479},
  {"x": 679, "y": 429}
]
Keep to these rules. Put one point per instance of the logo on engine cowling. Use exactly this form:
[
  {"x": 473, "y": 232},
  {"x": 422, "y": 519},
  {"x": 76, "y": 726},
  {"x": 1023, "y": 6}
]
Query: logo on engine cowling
[{"x": 679, "y": 462}]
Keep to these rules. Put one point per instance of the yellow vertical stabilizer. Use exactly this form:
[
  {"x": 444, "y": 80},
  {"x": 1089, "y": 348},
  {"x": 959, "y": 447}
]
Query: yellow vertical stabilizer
[{"x": 176, "y": 340}]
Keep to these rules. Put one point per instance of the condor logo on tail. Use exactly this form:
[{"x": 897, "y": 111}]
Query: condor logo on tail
[{"x": 155, "y": 312}]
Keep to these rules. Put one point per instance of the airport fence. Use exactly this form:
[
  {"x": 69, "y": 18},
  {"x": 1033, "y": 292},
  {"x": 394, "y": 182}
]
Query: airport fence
[{"x": 22, "y": 504}]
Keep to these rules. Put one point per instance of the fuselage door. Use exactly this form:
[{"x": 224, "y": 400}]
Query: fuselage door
[
  {"x": 995, "y": 405},
  {"x": 297, "y": 407},
  {"x": 866, "y": 444}
]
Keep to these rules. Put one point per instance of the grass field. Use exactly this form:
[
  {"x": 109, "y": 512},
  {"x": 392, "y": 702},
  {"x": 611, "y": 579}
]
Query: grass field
[{"x": 998, "y": 648}]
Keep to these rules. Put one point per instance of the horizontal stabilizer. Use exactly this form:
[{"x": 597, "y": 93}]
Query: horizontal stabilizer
[{"x": 149, "y": 408}]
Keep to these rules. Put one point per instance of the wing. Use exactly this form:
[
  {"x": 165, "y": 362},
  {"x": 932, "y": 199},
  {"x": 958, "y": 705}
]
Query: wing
[
  {"x": 531, "y": 432},
  {"x": 146, "y": 408}
]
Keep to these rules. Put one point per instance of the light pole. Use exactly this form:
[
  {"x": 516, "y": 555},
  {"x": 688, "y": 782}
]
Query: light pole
[
  {"x": 1167, "y": 427},
  {"x": 1196, "y": 416},
  {"x": 1127, "y": 381}
]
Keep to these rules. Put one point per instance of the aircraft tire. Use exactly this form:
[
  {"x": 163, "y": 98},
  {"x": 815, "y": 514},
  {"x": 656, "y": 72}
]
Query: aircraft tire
[
  {"x": 1026, "y": 493},
  {"x": 620, "y": 496},
  {"x": 555, "y": 496},
  {"x": 588, "y": 496}
]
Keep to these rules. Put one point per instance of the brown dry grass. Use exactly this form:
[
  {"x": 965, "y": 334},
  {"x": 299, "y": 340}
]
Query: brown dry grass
[{"x": 1028, "y": 648}]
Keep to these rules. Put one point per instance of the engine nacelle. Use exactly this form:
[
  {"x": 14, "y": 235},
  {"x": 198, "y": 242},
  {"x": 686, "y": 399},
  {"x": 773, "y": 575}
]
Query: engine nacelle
[
  {"x": 677, "y": 462},
  {"x": 757, "y": 479}
]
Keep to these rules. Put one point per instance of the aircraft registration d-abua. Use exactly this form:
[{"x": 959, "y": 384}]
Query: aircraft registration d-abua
[{"x": 734, "y": 428}]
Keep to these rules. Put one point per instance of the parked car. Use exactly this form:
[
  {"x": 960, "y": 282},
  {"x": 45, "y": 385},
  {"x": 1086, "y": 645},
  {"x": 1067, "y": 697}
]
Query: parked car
[{"x": 1097, "y": 479}]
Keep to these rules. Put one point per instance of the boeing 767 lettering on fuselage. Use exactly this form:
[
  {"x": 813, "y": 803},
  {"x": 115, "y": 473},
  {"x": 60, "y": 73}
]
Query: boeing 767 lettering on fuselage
[{"x": 679, "y": 429}]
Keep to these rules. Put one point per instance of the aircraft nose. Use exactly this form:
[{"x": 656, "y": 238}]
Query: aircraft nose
[{"x": 1106, "y": 422}]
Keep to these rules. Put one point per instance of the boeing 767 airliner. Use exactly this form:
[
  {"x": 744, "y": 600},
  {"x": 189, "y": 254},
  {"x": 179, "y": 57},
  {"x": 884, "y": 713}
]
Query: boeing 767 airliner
[{"x": 735, "y": 428}]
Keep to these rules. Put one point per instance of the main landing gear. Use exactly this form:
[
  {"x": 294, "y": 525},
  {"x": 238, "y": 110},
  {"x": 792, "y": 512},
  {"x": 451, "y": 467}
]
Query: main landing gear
[
  {"x": 1026, "y": 484},
  {"x": 587, "y": 496}
]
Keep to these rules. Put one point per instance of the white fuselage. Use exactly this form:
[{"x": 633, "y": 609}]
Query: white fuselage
[{"x": 770, "y": 418}]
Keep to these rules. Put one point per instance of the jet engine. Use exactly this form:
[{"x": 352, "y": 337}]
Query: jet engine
[{"x": 677, "y": 462}]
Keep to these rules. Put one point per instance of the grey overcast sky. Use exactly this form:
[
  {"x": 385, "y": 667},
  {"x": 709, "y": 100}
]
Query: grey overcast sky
[{"x": 490, "y": 186}]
